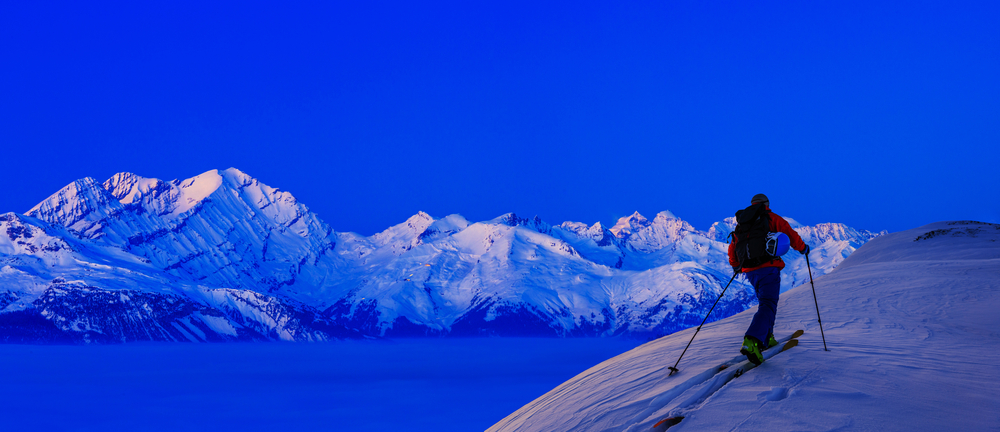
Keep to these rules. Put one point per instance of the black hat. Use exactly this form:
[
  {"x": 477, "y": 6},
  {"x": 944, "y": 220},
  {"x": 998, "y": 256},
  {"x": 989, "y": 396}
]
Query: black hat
[{"x": 760, "y": 198}]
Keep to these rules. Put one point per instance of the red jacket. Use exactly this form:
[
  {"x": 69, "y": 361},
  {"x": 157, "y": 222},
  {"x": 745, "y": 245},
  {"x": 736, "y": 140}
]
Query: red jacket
[{"x": 778, "y": 224}]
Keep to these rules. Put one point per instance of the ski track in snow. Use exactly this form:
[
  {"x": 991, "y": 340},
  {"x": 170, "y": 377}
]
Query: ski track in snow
[
  {"x": 914, "y": 345},
  {"x": 693, "y": 391},
  {"x": 691, "y": 394}
]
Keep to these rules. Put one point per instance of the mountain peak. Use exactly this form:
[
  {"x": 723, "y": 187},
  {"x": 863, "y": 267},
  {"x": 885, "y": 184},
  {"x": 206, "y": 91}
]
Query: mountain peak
[
  {"x": 421, "y": 216},
  {"x": 237, "y": 178},
  {"x": 403, "y": 236},
  {"x": 192, "y": 191},
  {"x": 74, "y": 202},
  {"x": 203, "y": 184},
  {"x": 664, "y": 215},
  {"x": 445, "y": 226},
  {"x": 511, "y": 219},
  {"x": 628, "y": 224},
  {"x": 419, "y": 222},
  {"x": 232, "y": 171},
  {"x": 77, "y": 187},
  {"x": 173, "y": 197},
  {"x": 127, "y": 187}
]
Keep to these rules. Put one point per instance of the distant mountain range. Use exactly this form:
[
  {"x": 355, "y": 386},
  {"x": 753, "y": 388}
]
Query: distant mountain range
[{"x": 221, "y": 257}]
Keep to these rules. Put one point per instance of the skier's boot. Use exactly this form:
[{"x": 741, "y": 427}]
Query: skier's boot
[
  {"x": 771, "y": 341},
  {"x": 751, "y": 349}
]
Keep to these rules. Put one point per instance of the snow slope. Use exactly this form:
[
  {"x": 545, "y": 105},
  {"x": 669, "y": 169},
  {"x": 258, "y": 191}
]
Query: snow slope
[{"x": 912, "y": 328}]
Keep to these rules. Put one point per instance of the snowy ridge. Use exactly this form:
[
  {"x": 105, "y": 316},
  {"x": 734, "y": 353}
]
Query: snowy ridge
[
  {"x": 221, "y": 228},
  {"x": 249, "y": 261},
  {"x": 910, "y": 323}
]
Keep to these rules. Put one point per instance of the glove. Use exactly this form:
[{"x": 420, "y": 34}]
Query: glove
[
  {"x": 737, "y": 269},
  {"x": 806, "y": 250}
]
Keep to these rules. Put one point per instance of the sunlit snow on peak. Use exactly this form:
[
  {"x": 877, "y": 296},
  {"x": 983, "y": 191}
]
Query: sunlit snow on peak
[
  {"x": 197, "y": 188},
  {"x": 128, "y": 187},
  {"x": 626, "y": 225},
  {"x": 663, "y": 215}
]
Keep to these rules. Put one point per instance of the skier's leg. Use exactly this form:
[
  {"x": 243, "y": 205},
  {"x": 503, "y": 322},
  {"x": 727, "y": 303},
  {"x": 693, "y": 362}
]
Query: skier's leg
[{"x": 767, "y": 284}]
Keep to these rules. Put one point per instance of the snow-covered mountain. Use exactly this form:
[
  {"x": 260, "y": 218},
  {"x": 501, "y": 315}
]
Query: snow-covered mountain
[
  {"x": 221, "y": 228},
  {"x": 910, "y": 321},
  {"x": 221, "y": 256}
]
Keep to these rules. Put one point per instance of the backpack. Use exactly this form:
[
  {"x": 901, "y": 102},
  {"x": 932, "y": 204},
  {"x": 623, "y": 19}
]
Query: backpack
[{"x": 753, "y": 225}]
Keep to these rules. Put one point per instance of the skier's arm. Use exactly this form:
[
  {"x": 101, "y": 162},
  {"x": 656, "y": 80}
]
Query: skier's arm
[
  {"x": 732, "y": 257},
  {"x": 779, "y": 224}
]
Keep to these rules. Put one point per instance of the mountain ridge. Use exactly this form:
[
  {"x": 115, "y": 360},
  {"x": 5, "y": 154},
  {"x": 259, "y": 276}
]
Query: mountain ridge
[{"x": 225, "y": 230}]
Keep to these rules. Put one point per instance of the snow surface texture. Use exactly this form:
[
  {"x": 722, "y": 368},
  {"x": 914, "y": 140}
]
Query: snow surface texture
[
  {"x": 221, "y": 256},
  {"x": 911, "y": 323}
]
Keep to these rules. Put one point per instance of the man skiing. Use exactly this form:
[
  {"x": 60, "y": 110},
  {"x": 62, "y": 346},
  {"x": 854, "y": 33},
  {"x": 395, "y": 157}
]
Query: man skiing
[{"x": 764, "y": 273}]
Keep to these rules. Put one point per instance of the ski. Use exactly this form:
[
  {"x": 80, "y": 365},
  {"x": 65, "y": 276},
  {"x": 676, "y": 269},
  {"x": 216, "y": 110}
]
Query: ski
[
  {"x": 715, "y": 378},
  {"x": 740, "y": 358},
  {"x": 790, "y": 342},
  {"x": 794, "y": 336}
]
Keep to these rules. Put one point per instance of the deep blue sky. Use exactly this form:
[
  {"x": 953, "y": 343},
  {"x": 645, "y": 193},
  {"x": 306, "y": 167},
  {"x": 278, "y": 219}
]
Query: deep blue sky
[{"x": 880, "y": 116}]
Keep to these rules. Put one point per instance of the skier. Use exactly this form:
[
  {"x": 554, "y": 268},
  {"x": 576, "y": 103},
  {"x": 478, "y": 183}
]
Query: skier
[{"x": 763, "y": 273}]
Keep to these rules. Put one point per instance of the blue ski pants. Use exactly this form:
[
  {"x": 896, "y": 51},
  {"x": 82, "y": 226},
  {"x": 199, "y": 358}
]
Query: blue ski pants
[{"x": 767, "y": 283}]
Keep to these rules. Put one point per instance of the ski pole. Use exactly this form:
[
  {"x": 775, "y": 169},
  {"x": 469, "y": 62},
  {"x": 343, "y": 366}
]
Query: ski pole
[
  {"x": 818, "y": 319},
  {"x": 673, "y": 369}
]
